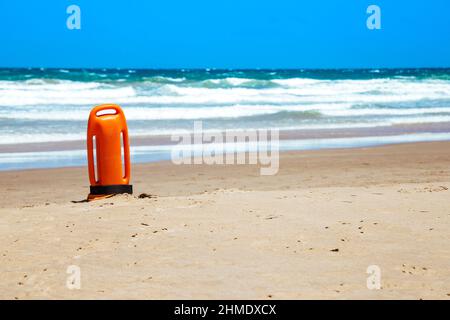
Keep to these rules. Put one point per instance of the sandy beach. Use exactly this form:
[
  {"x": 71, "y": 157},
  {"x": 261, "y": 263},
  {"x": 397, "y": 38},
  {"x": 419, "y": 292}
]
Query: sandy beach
[
  {"x": 225, "y": 232},
  {"x": 225, "y": 151}
]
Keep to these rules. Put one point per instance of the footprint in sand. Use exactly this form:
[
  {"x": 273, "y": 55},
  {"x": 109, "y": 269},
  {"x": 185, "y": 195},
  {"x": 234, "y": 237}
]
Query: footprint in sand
[
  {"x": 435, "y": 189},
  {"x": 410, "y": 269},
  {"x": 270, "y": 217}
]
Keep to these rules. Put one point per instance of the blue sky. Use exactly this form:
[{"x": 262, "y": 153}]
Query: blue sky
[{"x": 225, "y": 34}]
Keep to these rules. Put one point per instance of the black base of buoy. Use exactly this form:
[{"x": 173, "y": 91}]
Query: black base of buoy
[{"x": 111, "y": 189}]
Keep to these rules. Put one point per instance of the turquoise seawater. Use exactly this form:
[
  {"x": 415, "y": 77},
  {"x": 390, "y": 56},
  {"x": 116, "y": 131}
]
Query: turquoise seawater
[{"x": 43, "y": 105}]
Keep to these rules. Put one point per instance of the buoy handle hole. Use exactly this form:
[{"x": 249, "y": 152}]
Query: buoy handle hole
[{"x": 105, "y": 112}]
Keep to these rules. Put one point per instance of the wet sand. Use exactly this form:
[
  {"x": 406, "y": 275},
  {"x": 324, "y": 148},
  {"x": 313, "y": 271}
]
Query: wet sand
[
  {"x": 225, "y": 232},
  {"x": 160, "y": 140}
]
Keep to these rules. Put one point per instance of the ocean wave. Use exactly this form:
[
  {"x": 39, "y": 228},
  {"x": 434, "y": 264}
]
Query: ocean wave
[
  {"x": 235, "y": 82},
  {"x": 39, "y": 137},
  {"x": 54, "y": 106},
  {"x": 297, "y": 82},
  {"x": 61, "y": 93},
  {"x": 168, "y": 113},
  {"x": 161, "y": 79},
  {"x": 236, "y": 91},
  {"x": 385, "y": 112},
  {"x": 43, "y": 85}
]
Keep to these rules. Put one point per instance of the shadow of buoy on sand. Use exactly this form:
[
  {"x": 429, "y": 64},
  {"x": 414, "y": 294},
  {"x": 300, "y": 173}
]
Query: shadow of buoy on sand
[{"x": 141, "y": 196}]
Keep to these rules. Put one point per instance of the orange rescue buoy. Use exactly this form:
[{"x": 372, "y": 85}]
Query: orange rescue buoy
[{"x": 109, "y": 171}]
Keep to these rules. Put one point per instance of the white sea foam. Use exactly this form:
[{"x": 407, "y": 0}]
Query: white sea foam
[
  {"x": 384, "y": 112},
  {"x": 65, "y": 113},
  {"x": 231, "y": 81},
  {"x": 165, "y": 113},
  {"x": 12, "y": 94},
  {"x": 294, "y": 91},
  {"x": 18, "y": 138},
  {"x": 297, "y": 82},
  {"x": 30, "y": 110}
]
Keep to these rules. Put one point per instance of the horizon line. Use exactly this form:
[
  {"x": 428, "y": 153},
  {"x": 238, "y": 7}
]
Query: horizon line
[{"x": 221, "y": 69}]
